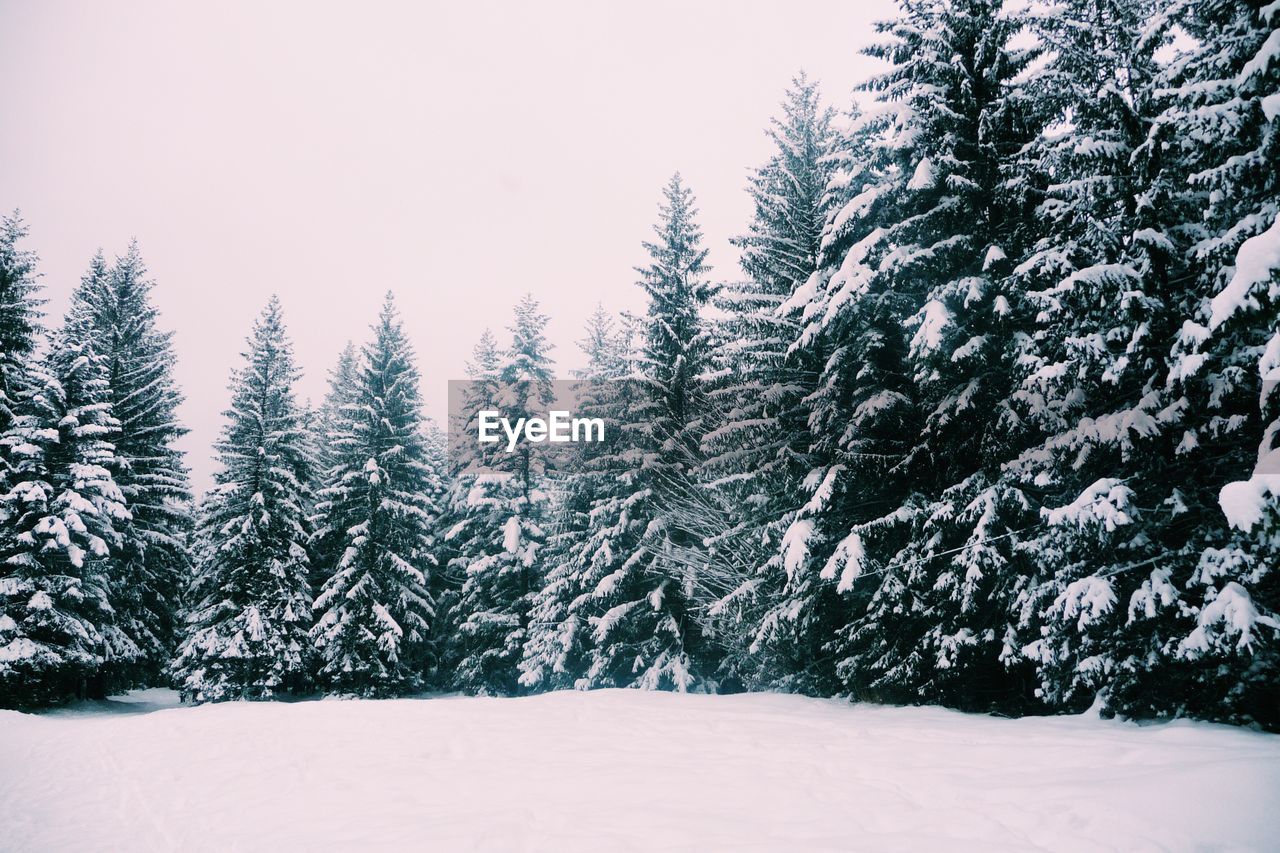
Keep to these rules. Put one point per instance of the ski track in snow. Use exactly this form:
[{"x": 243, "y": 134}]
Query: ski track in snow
[{"x": 623, "y": 770}]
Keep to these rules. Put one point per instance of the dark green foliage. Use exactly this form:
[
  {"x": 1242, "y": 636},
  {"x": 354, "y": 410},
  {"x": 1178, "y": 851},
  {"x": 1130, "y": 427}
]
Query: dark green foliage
[
  {"x": 373, "y": 614},
  {"x": 250, "y": 609},
  {"x": 113, "y": 310}
]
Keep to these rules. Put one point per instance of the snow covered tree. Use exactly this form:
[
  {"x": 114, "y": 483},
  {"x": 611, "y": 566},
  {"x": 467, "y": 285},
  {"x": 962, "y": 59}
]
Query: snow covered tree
[
  {"x": 330, "y": 424},
  {"x": 1103, "y": 278},
  {"x": 58, "y": 527},
  {"x": 758, "y": 440},
  {"x": 640, "y": 561},
  {"x": 1214, "y": 614},
  {"x": 469, "y": 463},
  {"x": 948, "y": 216},
  {"x": 373, "y": 615},
  {"x": 503, "y": 516},
  {"x": 849, "y": 332},
  {"x": 112, "y": 309},
  {"x": 247, "y": 631},
  {"x": 605, "y": 344},
  {"x": 340, "y": 395},
  {"x": 556, "y": 651},
  {"x": 908, "y": 326},
  {"x": 19, "y": 318}
]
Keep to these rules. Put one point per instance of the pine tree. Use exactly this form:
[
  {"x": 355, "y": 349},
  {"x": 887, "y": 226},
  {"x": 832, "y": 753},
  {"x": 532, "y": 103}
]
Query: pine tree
[
  {"x": 330, "y": 424},
  {"x": 1217, "y": 624},
  {"x": 112, "y": 308},
  {"x": 373, "y": 615},
  {"x": 58, "y": 528},
  {"x": 470, "y": 461},
  {"x": 758, "y": 449},
  {"x": 949, "y": 216},
  {"x": 1102, "y": 277},
  {"x": 642, "y": 555},
  {"x": 247, "y": 633},
  {"x": 558, "y": 646},
  {"x": 850, "y": 332},
  {"x": 604, "y": 345},
  {"x": 19, "y": 319},
  {"x": 503, "y": 519},
  {"x": 341, "y": 394}
]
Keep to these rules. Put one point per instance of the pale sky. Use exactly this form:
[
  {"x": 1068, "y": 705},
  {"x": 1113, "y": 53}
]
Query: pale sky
[{"x": 459, "y": 154}]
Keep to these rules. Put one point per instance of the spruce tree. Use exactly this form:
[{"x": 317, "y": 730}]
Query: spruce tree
[
  {"x": 327, "y": 429},
  {"x": 373, "y": 615},
  {"x": 503, "y": 521},
  {"x": 112, "y": 308},
  {"x": 1102, "y": 276},
  {"x": 247, "y": 631},
  {"x": 558, "y": 645},
  {"x": 640, "y": 552},
  {"x": 949, "y": 217},
  {"x": 758, "y": 442},
  {"x": 1216, "y": 616},
  {"x": 469, "y": 464},
  {"x": 332, "y": 411},
  {"x": 19, "y": 318},
  {"x": 58, "y": 529},
  {"x": 860, "y": 410}
]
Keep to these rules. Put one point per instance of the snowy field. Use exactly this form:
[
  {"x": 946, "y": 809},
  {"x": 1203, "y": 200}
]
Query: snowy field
[{"x": 615, "y": 770}]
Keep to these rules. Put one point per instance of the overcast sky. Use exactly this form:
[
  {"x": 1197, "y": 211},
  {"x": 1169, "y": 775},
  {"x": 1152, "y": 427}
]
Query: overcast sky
[{"x": 459, "y": 154}]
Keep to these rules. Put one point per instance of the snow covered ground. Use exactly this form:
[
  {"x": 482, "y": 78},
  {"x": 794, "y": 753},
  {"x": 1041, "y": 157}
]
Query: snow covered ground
[{"x": 615, "y": 770}]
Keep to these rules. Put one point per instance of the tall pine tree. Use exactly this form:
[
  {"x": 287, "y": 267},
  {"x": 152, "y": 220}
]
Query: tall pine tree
[
  {"x": 1218, "y": 623},
  {"x": 113, "y": 308},
  {"x": 19, "y": 318},
  {"x": 641, "y": 547},
  {"x": 247, "y": 632},
  {"x": 58, "y": 529},
  {"x": 558, "y": 646},
  {"x": 327, "y": 428},
  {"x": 1102, "y": 278},
  {"x": 373, "y": 615},
  {"x": 949, "y": 216},
  {"x": 759, "y": 442},
  {"x": 504, "y": 514}
]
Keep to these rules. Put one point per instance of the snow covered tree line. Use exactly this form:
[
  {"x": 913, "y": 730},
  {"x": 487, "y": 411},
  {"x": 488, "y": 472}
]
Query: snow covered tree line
[
  {"x": 93, "y": 497},
  {"x": 989, "y": 420},
  {"x": 1033, "y": 355}
]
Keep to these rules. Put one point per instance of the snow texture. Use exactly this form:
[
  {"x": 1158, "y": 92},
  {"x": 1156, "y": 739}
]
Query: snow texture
[
  {"x": 1258, "y": 259},
  {"x": 1244, "y": 503},
  {"x": 1104, "y": 501},
  {"x": 923, "y": 177},
  {"x": 624, "y": 770}
]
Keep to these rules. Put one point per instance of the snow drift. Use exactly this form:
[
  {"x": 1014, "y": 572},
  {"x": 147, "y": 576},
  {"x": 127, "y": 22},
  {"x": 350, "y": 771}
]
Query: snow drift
[{"x": 624, "y": 770}]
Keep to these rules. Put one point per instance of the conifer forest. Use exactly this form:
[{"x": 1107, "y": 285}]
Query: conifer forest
[{"x": 987, "y": 417}]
